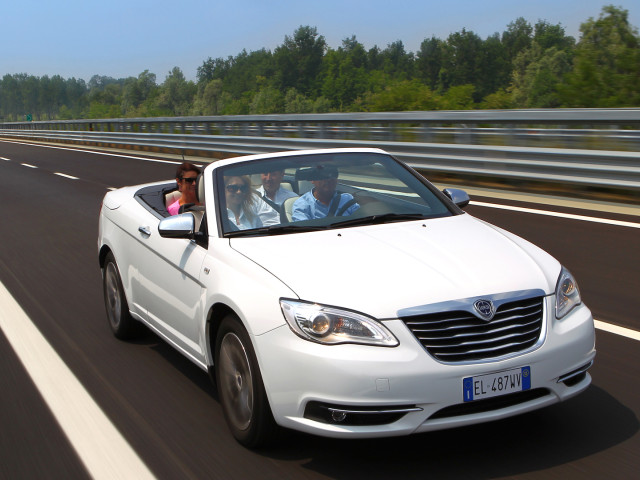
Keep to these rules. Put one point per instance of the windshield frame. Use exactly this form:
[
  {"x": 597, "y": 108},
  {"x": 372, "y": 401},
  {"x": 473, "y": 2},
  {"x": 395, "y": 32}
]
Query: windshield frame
[{"x": 356, "y": 158}]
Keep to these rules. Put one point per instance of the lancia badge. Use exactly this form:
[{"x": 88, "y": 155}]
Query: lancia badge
[{"x": 484, "y": 309}]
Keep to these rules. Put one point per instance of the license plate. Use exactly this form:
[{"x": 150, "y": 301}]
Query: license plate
[{"x": 495, "y": 384}]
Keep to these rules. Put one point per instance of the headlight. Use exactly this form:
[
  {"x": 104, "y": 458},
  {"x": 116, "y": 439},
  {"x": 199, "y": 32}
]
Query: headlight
[
  {"x": 567, "y": 293},
  {"x": 330, "y": 325}
]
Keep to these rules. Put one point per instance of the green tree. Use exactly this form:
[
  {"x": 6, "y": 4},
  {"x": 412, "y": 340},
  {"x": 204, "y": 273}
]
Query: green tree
[
  {"x": 176, "y": 95},
  {"x": 212, "y": 69},
  {"x": 299, "y": 61},
  {"x": 30, "y": 89},
  {"x": 462, "y": 60},
  {"x": 11, "y": 97},
  {"x": 547, "y": 35},
  {"x": 539, "y": 69},
  {"x": 76, "y": 91},
  {"x": 397, "y": 62},
  {"x": 459, "y": 97},
  {"x": 606, "y": 69},
  {"x": 267, "y": 100},
  {"x": 58, "y": 94},
  {"x": 499, "y": 100},
  {"x": 137, "y": 91},
  {"x": 429, "y": 61},
  {"x": 239, "y": 74},
  {"x": 345, "y": 73},
  {"x": 517, "y": 37},
  {"x": 210, "y": 101},
  {"x": 494, "y": 69},
  {"x": 403, "y": 95},
  {"x": 65, "y": 113},
  {"x": 537, "y": 75},
  {"x": 295, "y": 102}
]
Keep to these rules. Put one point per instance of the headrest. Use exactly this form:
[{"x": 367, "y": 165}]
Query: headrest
[
  {"x": 200, "y": 188},
  {"x": 319, "y": 172}
]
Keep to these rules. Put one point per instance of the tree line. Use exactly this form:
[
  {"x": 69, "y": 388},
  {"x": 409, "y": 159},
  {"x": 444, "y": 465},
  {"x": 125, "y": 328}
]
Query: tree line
[{"x": 527, "y": 66}]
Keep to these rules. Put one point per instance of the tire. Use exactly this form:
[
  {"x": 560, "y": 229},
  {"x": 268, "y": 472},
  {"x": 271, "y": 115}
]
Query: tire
[
  {"x": 240, "y": 387},
  {"x": 122, "y": 324}
]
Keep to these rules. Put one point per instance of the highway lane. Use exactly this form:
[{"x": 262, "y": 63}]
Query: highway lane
[
  {"x": 605, "y": 259},
  {"x": 167, "y": 409}
]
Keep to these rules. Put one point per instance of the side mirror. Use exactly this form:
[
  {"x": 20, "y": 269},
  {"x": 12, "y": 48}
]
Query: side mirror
[
  {"x": 178, "y": 226},
  {"x": 457, "y": 196}
]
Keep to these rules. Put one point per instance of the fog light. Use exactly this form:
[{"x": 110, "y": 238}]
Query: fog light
[{"x": 338, "y": 416}]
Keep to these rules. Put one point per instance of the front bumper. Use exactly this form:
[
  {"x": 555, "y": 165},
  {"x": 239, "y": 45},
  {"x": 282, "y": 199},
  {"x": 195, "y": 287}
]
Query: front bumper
[{"x": 303, "y": 378}]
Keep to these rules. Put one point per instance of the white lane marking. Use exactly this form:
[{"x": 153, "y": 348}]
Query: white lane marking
[
  {"x": 5, "y": 158},
  {"x": 173, "y": 162},
  {"x": 608, "y": 221},
  {"x": 551, "y": 200},
  {"x": 103, "y": 450},
  {"x": 65, "y": 175},
  {"x": 625, "y": 332},
  {"x": 28, "y": 165}
]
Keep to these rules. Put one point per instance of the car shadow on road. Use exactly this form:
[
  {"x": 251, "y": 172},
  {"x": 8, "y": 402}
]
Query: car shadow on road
[
  {"x": 590, "y": 423},
  {"x": 152, "y": 341}
]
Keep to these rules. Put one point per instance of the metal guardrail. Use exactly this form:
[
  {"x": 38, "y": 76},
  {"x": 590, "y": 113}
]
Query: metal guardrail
[
  {"x": 572, "y": 128},
  {"x": 594, "y": 168}
]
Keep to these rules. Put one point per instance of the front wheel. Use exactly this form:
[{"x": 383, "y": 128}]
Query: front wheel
[
  {"x": 240, "y": 386},
  {"x": 122, "y": 324}
]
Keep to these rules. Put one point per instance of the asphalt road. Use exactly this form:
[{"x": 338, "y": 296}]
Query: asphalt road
[{"x": 168, "y": 411}]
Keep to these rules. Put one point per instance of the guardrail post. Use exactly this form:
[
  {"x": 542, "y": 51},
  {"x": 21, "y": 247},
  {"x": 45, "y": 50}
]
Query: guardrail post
[
  {"x": 462, "y": 135},
  {"x": 427, "y": 132},
  {"x": 511, "y": 135},
  {"x": 322, "y": 130}
]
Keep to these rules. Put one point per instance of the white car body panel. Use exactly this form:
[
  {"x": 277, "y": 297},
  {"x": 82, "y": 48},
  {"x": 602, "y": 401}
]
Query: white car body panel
[
  {"x": 449, "y": 258},
  {"x": 383, "y": 271},
  {"x": 407, "y": 375}
]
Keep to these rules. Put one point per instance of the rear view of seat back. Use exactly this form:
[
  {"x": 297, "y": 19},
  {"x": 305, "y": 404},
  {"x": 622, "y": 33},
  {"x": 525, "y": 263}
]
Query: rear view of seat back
[
  {"x": 171, "y": 197},
  {"x": 287, "y": 207}
]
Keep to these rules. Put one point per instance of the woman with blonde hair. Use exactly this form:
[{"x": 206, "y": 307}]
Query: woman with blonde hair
[{"x": 245, "y": 208}]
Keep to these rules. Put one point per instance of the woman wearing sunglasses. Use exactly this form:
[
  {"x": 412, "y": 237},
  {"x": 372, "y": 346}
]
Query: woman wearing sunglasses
[
  {"x": 245, "y": 208},
  {"x": 186, "y": 176}
]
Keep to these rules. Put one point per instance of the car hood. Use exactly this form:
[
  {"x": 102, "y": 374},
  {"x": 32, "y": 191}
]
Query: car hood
[{"x": 383, "y": 269}]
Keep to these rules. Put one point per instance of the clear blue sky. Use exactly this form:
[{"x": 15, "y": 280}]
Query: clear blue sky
[{"x": 122, "y": 38}]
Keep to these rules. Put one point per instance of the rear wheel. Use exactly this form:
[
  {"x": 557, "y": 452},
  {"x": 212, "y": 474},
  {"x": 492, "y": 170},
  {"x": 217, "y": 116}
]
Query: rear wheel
[
  {"x": 240, "y": 386},
  {"x": 122, "y": 324}
]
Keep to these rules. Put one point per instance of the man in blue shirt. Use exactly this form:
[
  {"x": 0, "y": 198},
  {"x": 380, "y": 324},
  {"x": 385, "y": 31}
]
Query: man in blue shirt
[{"x": 323, "y": 200}]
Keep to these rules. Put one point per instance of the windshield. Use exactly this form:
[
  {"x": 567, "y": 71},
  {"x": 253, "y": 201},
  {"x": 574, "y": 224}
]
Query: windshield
[{"x": 298, "y": 193}]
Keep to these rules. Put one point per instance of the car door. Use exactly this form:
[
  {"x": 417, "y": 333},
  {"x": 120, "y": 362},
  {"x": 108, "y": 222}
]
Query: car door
[{"x": 174, "y": 292}]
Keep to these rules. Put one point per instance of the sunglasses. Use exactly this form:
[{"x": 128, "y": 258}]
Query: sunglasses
[
  {"x": 188, "y": 179},
  {"x": 237, "y": 188}
]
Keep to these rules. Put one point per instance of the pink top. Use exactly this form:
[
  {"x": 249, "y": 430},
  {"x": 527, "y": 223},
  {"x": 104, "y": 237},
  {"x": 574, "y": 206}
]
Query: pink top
[{"x": 174, "y": 207}]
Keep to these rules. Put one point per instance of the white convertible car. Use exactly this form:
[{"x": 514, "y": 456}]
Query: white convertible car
[{"x": 365, "y": 303}]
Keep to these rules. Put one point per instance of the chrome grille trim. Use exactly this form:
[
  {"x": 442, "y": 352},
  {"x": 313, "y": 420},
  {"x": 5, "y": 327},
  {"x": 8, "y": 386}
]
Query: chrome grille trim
[
  {"x": 458, "y": 336},
  {"x": 508, "y": 326}
]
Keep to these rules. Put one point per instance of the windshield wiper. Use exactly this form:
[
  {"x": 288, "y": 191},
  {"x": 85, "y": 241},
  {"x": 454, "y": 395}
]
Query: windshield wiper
[
  {"x": 276, "y": 230},
  {"x": 377, "y": 219}
]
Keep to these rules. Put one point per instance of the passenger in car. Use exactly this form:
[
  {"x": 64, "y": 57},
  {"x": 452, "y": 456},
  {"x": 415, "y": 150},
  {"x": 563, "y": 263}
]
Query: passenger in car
[
  {"x": 245, "y": 208},
  {"x": 186, "y": 176},
  {"x": 323, "y": 200},
  {"x": 271, "y": 189}
]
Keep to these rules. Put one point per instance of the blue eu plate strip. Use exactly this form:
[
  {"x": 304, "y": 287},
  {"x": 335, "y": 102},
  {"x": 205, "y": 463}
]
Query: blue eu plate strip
[{"x": 526, "y": 378}]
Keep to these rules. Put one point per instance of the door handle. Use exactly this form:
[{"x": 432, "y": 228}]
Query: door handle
[{"x": 144, "y": 230}]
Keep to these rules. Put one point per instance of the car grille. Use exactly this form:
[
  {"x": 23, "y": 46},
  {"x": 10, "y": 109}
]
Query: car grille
[{"x": 459, "y": 336}]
